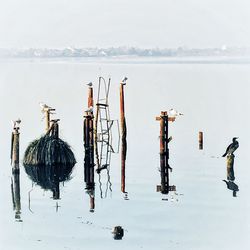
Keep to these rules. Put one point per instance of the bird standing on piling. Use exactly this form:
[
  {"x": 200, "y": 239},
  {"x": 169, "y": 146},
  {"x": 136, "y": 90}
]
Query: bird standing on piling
[
  {"x": 16, "y": 123},
  {"x": 174, "y": 113},
  {"x": 124, "y": 80},
  {"x": 232, "y": 147}
]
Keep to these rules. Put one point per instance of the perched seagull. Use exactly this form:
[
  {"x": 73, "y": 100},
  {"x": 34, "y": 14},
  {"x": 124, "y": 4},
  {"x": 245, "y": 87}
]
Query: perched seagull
[
  {"x": 44, "y": 106},
  {"x": 232, "y": 147},
  {"x": 124, "y": 80},
  {"x": 16, "y": 123},
  {"x": 174, "y": 112},
  {"x": 90, "y": 84}
]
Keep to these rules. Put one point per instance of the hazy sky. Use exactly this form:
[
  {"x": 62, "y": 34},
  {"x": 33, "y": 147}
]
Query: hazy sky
[{"x": 105, "y": 23}]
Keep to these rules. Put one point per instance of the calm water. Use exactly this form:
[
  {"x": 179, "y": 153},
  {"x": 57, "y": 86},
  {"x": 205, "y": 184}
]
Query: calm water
[{"x": 202, "y": 214}]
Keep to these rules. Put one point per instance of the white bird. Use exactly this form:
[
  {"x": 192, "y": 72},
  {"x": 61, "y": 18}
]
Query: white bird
[
  {"x": 124, "y": 80},
  {"x": 16, "y": 123},
  {"x": 174, "y": 113},
  {"x": 44, "y": 106},
  {"x": 90, "y": 84}
]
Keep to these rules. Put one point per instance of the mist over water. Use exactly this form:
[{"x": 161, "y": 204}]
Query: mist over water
[{"x": 202, "y": 215}]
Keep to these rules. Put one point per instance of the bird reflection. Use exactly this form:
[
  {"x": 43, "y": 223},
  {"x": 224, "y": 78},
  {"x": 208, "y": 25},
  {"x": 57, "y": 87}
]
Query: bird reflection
[
  {"x": 49, "y": 177},
  {"x": 16, "y": 197}
]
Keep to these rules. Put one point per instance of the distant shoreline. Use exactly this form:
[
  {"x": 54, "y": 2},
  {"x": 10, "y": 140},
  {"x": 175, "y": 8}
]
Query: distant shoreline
[{"x": 133, "y": 60}]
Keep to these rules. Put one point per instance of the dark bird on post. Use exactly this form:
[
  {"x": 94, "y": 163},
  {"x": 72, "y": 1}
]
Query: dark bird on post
[{"x": 232, "y": 147}]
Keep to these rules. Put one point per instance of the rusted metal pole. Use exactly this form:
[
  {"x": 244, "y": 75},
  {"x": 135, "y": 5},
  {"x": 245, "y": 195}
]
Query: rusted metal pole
[
  {"x": 200, "y": 140},
  {"x": 123, "y": 138},
  {"x": 15, "y": 150},
  {"x": 90, "y": 97}
]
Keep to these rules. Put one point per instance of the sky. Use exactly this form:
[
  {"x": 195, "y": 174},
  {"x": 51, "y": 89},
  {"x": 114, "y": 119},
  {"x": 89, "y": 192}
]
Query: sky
[{"x": 140, "y": 23}]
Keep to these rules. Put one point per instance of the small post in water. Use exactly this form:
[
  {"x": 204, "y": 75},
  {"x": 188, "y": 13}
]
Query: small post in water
[{"x": 200, "y": 140}]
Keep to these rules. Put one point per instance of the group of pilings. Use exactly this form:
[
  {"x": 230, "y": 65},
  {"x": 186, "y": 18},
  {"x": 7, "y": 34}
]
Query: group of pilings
[{"x": 90, "y": 139}]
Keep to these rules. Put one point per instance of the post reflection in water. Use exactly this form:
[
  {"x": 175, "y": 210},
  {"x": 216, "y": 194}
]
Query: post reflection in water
[
  {"x": 16, "y": 197},
  {"x": 231, "y": 185},
  {"x": 49, "y": 177}
]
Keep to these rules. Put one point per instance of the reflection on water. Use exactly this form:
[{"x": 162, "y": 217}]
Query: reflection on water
[
  {"x": 231, "y": 185},
  {"x": 196, "y": 174},
  {"x": 49, "y": 177},
  {"x": 15, "y": 191}
]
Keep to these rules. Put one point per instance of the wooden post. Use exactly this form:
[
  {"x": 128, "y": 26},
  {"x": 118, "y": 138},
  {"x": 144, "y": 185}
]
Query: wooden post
[
  {"x": 47, "y": 119},
  {"x": 230, "y": 167},
  {"x": 89, "y": 150},
  {"x": 164, "y": 152},
  {"x": 200, "y": 140},
  {"x": 15, "y": 150},
  {"x": 47, "y": 113},
  {"x": 123, "y": 138},
  {"x": 90, "y": 97}
]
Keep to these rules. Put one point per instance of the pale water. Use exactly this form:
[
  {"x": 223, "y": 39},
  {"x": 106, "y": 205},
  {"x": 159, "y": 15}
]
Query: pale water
[{"x": 202, "y": 214}]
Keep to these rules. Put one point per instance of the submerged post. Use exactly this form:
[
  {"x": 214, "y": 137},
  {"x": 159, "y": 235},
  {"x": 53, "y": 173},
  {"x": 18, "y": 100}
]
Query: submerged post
[
  {"x": 123, "y": 135},
  {"x": 200, "y": 140}
]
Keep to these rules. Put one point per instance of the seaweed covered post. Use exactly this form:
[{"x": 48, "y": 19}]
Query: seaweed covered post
[
  {"x": 49, "y": 160},
  {"x": 88, "y": 137},
  {"x": 200, "y": 140},
  {"x": 123, "y": 135}
]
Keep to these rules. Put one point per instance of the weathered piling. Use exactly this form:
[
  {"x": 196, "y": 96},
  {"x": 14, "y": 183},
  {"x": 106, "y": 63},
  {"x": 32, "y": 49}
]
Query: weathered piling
[
  {"x": 88, "y": 138},
  {"x": 164, "y": 153},
  {"x": 90, "y": 97},
  {"x": 230, "y": 167},
  {"x": 123, "y": 137},
  {"x": 16, "y": 197},
  {"x": 15, "y": 149},
  {"x": 47, "y": 112},
  {"x": 200, "y": 140}
]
